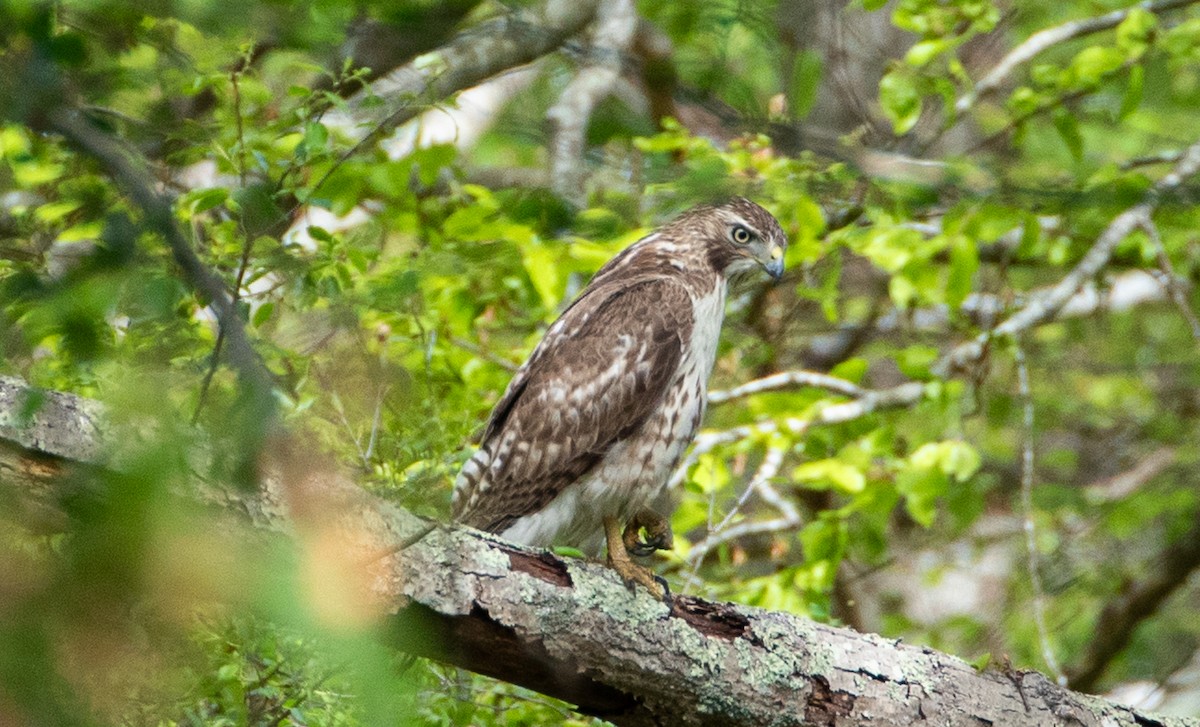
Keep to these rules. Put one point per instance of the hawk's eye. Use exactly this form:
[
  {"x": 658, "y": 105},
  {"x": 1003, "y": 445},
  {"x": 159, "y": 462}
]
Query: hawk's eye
[{"x": 740, "y": 235}]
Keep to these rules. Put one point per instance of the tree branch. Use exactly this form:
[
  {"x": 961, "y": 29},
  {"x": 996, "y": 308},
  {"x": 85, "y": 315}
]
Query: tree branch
[
  {"x": 130, "y": 175},
  {"x": 1044, "y": 308},
  {"x": 1048, "y": 38},
  {"x": 570, "y": 629},
  {"x": 610, "y": 39},
  {"x": 473, "y": 56},
  {"x": 1138, "y": 602},
  {"x": 788, "y": 380}
]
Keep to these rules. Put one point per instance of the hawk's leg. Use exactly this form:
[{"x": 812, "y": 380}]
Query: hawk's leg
[
  {"x": 658, "y": 533},
  {"x": 630, "y": 572}
]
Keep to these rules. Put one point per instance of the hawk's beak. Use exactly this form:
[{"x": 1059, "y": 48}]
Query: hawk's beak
[{"x": 774, "y": 267}]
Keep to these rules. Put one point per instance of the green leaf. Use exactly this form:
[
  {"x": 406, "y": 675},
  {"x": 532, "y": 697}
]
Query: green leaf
[
  {"x": 710, "y": 474},
  {"x": 541, "y": 264},
  {"x": 1136, "y": 31},
  {"x": 852, "y": 369},
  {"x": 316, "y": 136},
  {"x": 824, "y": 539},
  {"x": 925, "y": 51},
  {"x": 914, "y": 361},
  {"x": 1068, "y": 130},
  {"x": 1092, "y": 64},
  {"x": 262, "y": 314},
  {"x": 1133, "y": 92},
  {"x": 902, "y": 291},
  {"x": 806, "y": 77},
  {"x": 953, "y": 458},
  {"x": 52, "y": 212},
  {"x": 841, "y": 476},
  {"x": 319, "y": 233},
  {"x": 964, "y": 263},
  {"x": 900, "y": 100},
  {"x": 921, "y": 487},
  {"x": 206, "y": 199}
]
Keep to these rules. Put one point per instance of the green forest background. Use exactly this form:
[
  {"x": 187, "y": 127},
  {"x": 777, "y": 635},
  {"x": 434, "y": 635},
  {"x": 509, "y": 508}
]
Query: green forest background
[{"x": 974, "y": 418}]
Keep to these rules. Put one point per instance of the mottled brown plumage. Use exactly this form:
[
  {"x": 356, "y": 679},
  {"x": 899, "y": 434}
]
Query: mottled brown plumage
[{"x": 594, "y": 422}]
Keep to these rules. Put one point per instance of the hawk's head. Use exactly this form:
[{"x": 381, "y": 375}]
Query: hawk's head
[{"x": 737, "y": 236}]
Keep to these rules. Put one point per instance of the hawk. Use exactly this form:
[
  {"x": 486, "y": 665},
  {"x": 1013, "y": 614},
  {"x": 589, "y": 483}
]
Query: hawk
[{"x": 592, "y": 425}]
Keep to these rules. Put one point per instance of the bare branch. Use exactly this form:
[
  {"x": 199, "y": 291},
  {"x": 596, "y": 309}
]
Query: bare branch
[
  {"x": 1045, "y": 308},
  {"x": 868, "y": 402},
  {"x": 1172, "y": 282},
  {"x": 1050, "y": 37},
  {"x": 610, "y": 39},
  {"x": 1124, "y": 484},
  {"x": 1032, "y": 558},
  {"x": 788, "y": 380},
  {"x": 789, "y": 518}
]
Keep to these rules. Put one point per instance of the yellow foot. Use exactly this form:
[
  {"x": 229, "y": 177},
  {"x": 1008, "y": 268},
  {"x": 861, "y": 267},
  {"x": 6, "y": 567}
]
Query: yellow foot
[
  {"x": 658, "y": 533},
  {"x": 630, "y": 572}
]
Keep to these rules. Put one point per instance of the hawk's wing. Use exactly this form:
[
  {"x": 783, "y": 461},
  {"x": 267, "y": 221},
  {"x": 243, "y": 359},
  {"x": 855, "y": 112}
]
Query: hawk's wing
[{"x": 600, "y": 371}]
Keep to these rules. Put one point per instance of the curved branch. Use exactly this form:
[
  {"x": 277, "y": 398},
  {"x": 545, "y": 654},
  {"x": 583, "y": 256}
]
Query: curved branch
[{"x": 788, "y": 380}]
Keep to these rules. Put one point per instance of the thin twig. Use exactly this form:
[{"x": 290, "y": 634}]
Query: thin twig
[
  {"x": 1031, "y": 548},
  {"x": 376, "y": 420},
  {"x": 247, "y": 244},
  {"x": 490, "y": 357},
  {"x": 759, "y": 484},
  {"x": 1176, "y": 291}
]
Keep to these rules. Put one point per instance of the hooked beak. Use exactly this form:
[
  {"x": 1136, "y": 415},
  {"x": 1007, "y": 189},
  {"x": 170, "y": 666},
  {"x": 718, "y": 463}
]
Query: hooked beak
[{"x": 774, "y": 266}]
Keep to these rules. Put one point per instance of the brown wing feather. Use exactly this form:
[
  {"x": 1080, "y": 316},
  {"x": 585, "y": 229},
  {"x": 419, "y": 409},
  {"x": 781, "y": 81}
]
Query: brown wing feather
[{"x": 592, "y": 381}]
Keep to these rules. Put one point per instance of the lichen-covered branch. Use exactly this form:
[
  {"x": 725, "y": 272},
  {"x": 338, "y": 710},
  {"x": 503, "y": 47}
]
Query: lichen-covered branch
[{"x": 570, "y": 628}]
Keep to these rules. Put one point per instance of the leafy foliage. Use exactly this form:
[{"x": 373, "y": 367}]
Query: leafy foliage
[{"x": 391, "y": 337}]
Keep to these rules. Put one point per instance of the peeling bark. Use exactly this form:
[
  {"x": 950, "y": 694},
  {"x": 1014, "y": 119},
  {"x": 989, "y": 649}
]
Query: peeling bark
[{"x": 570, "y": 629}]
